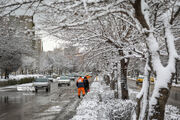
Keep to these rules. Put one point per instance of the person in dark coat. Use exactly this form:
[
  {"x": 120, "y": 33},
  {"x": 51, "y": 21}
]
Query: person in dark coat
[{"x": 86, "y": 85}]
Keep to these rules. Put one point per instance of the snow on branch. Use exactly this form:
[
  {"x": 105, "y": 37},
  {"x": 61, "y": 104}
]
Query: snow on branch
[
  {"x": 19, "y": 3},
  {"x": 94, "y": 17},
  {"x": 170, "y": 45}
]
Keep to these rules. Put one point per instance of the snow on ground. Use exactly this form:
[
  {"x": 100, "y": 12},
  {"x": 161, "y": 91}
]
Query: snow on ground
[
  {"x": 172, "y": 113},
  {"x": 8, "y": 87},
  {"x": 129, "y": 77},
  {"x": 26, "y": 87},
  {"x": 22, "y": 88},
  {"x": 54, "y": 109},
  {"x": 176, "y": 85},
  {"x": 99, "y": 104},
  {"x": 18, "y": 77}
]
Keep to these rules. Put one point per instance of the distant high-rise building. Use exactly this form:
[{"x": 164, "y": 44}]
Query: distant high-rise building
[{"x": 24, "y": 28}]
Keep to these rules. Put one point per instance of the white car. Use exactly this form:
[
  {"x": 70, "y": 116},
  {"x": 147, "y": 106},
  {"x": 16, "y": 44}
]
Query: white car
[
  {"x": 50, "y": 78},
  {"x": 63, "y": 80},
  {"x": 41, "y": 83}
]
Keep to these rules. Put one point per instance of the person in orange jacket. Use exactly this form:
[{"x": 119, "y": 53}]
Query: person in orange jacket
[
  {"x": 88, "y": 76},
  {"x": 80, "y": 86}
]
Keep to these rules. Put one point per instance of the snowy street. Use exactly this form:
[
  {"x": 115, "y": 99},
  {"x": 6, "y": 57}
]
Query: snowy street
[
  {"x": 59, "y": 103},
  {"x": 94, "y": 60}
]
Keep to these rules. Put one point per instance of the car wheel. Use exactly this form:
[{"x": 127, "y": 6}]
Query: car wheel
[
  {"x": 59, "y": 85},
  {"x": 47, "y": 89},
  {"x": 137, "y": 83},
  {"x": 68, "y": 84},
  {"x": 36, "y": 90}
]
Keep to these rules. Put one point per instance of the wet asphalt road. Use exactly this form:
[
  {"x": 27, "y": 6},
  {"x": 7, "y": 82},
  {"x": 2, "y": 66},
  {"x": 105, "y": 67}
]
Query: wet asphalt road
[
  {"x": 174, "y": 98},
  {"x": 59, "y": 104}
]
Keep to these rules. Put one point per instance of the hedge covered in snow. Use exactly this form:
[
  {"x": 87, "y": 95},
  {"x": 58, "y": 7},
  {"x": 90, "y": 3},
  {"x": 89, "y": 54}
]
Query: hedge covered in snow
[{"x": 99, "y": 104}]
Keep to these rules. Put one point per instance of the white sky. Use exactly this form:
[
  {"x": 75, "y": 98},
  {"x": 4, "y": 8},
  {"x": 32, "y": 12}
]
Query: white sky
[
  {"x": 49, "y": 45},
  {"x": 49, "y": 42}
]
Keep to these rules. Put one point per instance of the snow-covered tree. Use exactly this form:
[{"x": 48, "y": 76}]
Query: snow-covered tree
[
  {"x": 57, "y": 61},
  {"x": 28, "y": 64},
  {"x": 155, "y": 21}
]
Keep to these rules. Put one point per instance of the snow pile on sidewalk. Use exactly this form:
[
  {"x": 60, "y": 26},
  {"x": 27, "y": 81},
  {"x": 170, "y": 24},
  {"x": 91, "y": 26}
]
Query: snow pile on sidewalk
[
  {"x": 26, "y": 87},
  {"x": 99, "y": 104},
  {"x": 172, "y": 113},
  {"x": 131, "y": 78},
  {"x": 176, "y": 85}
]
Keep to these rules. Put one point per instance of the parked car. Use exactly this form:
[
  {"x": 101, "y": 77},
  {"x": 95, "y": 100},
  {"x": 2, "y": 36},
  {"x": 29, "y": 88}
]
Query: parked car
[
  {"x": 63, "y": 80},
  {"x": 50, "y": 78},
  {"x": 72, "y": 77},
  {"x": 41, "y": 83},
  {"x": 141, "y": 78}
]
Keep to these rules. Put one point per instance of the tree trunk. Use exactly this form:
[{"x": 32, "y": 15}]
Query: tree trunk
[
  {"x": 107, "y": 79},
  {"x": 6, "y": 74},
  {"x": 22, "y": 71},
  {"x": 1, "y": 74},
  {"x": 176, "y": 74},
  {"x": 112, "y": 84},
  {"x": 124, "y": 65},
  {"x": 159, "y": 108}
]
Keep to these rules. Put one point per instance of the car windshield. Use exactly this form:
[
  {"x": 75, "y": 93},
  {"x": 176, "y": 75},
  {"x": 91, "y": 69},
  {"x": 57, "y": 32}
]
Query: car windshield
[
  {"x": 70, "y": 75},
  {"x": 41, "y": 80},
  {"x": 48, "y": 77},
  {"x": 64, "y": 77},
  {"x": 141, "y": 77}
]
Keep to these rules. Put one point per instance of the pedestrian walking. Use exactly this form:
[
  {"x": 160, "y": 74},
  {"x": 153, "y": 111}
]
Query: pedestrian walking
[
  {"x": 86, "y": 84},
  {"x": 80, "y": 86},
  {"x": 88, "y": 76}
]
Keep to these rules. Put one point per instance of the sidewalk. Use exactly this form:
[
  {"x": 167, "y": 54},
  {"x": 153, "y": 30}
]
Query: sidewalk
[{"x": 99, "y": 104}]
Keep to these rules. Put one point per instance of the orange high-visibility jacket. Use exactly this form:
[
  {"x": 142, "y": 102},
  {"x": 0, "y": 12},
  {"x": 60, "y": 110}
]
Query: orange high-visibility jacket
[
  {"x": 80, "y": 82},
  {"x": 87, "y": 76}
]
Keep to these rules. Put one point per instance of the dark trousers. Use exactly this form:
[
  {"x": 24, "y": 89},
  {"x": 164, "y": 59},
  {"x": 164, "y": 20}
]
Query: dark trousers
[{"x": 86, "y": 89}]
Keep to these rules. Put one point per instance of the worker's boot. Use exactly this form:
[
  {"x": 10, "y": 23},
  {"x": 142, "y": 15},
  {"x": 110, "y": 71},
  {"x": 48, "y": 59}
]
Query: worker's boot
[{"x": 79, "y": 96}]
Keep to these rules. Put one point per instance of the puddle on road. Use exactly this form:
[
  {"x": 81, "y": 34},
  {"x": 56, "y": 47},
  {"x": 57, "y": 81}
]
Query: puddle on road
[
  {"x": 19, "y": 105},
  {"x": 9, "y": 98},
  {"x": 24, "y": 105}
]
